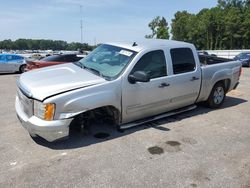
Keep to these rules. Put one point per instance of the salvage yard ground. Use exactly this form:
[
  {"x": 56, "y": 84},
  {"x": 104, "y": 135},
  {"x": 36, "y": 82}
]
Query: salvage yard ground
[{"x": 201, "y": 148}]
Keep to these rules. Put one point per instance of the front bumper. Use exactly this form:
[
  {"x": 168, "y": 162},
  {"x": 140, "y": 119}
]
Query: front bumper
[
  {"x": 49, "y": 130},
  {"x": 245, "y": 64}
]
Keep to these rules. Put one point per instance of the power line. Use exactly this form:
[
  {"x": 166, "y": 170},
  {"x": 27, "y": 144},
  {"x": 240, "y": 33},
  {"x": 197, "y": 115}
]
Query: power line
[{"x": 81, "y": 24}]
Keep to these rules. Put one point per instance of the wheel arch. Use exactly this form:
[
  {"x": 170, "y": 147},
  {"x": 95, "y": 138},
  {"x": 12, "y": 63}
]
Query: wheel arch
[
  {"x": 20, "y": 67},
  {"x": 226, "y": 83},
  {"x": 106, "y": 111}
]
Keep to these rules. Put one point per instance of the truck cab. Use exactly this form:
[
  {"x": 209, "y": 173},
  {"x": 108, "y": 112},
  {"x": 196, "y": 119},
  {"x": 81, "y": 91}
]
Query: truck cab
[{"x": 174, "y": 80}]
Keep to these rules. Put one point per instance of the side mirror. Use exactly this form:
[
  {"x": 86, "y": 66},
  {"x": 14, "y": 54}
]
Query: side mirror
[{"x": 138, "y": 76}]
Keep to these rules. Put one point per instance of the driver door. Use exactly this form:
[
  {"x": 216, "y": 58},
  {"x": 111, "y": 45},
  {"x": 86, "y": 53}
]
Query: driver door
[{"x": 141, "y": 100}]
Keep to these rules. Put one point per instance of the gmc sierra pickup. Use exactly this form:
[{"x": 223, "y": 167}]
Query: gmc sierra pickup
[{"x": 130, "y": 83}]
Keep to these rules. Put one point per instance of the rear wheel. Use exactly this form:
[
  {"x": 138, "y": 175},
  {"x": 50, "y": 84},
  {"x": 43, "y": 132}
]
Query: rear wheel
[
  {"x": 22, "y": 68},
  {"x": 217, "y": 96}
]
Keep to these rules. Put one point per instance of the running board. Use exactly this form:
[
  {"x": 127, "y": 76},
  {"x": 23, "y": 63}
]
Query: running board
[{"x": 147, "y": 120}]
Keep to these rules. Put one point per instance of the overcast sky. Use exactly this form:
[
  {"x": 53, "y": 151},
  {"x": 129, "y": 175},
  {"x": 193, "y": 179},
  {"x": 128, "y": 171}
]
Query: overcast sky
[{"x": 103, "y": 20}]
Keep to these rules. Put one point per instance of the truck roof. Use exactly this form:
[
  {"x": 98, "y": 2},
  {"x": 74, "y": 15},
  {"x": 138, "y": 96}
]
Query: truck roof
[{"x": 148, "y": 44}]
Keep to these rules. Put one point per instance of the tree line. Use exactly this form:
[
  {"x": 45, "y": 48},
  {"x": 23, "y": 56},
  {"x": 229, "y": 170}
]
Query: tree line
[
  {"x": 30, "y": 44},
  {"x": 226, "y": 26}
]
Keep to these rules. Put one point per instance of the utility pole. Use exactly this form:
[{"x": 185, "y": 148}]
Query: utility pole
[
  {"x": 81, "y": 24},
  {"x": 95, "y": 41}
]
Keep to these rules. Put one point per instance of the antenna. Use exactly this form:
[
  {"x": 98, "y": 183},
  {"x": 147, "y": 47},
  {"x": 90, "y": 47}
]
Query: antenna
[
  {"x": 135, "y": 44},
  {"x": 81, "y": 24}
]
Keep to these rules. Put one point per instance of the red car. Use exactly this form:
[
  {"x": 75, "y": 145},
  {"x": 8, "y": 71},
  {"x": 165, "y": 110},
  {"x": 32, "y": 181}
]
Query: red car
[{"x": 53, "y": 60}]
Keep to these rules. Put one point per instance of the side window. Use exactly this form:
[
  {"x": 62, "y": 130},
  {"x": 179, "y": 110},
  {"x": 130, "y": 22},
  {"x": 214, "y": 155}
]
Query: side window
[
  {"x": 14, "y": 57},
  {"x": 70, "y": 58},
  {"x": 153, "y": 63},
  {"x": 19, "y": 58},
  {"x": 9, "y": 57},
  {"x": 183, "y": 60},
  {"x": 203, "y": 59},
  {"x": 2, "y": 58}
]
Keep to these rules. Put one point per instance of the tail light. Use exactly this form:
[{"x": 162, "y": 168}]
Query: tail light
[{"x": 240, "y": 71}]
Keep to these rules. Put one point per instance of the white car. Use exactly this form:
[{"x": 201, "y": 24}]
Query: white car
[{"x": 12, "y": 63}]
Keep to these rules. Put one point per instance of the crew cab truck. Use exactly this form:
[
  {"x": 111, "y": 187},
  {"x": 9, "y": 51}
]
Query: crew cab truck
[{"x": 130, "y": 83}]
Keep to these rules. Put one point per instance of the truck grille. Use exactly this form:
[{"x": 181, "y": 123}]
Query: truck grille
[{"x": 25, "y": 103}]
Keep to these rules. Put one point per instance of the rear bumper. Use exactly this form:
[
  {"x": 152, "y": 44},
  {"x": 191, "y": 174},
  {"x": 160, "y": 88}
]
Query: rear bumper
[
  {"x": 49, "y": 130},
  {"x": 236, "y": 85}
]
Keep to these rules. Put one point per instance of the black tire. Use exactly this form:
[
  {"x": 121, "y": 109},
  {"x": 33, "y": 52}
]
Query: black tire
[
  {"x": 33, "y": 135},
  {"x": 22, "y": 69},
  {"x": 217, "y": 96}
]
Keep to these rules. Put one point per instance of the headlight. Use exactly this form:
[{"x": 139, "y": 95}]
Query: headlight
[{"x": 44, "y": 111}]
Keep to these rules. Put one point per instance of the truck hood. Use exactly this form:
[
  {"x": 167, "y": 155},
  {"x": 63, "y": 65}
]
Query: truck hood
[{"x": 42, "y": 83}]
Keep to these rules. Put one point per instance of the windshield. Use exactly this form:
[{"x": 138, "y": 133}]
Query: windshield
[{"x": 108, "y": 61}]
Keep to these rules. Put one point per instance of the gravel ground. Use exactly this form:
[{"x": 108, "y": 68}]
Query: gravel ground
[{"x": 200, "y": 148}]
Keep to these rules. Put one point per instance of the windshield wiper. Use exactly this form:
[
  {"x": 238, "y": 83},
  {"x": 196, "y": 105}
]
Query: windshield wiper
[{"x": 96, "y": 72}]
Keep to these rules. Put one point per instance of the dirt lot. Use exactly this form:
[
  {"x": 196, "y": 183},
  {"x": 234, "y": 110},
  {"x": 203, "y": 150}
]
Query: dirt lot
[{"x": 201, "y": 148}]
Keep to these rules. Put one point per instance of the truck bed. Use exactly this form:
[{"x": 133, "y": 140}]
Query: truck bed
[
  {"x": 212, "y": 73},
  {"x": 211, "y": 60}
]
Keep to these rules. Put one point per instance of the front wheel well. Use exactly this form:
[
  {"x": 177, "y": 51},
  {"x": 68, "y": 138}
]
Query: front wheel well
[
  {"x": 105, "y": 114},
  {"x": 22, "y": 67}
]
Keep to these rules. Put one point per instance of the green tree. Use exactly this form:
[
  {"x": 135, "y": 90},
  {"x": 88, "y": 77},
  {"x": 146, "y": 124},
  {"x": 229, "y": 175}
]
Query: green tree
[
  {"x": 246, "y": 26},
  {"x": 181, "y": 26},
  {"x": 234, "y": 29},
  {"x": 225, "y": 26},
  {"x": 159, "y": 28},
  {"x": 231, "y": 3},
  {"x": 29, "y": 44},
  {"x": 6, "y": 44}
]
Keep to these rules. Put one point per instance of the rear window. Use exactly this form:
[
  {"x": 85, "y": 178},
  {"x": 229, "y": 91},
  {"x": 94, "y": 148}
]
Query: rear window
[
  {"x": 183, "y": 60},
  {"x": 16, "y": 57},
  {"x": 62, "y": 58},
  {"x": 51, "y": 58},
  {"x": 71, "y": 58}
]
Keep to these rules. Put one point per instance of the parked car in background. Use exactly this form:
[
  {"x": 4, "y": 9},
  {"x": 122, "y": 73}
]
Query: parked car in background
[
  {"x": 244, "y": 58},
  {"x": 12, "y": 63},
  {"x": 36, "y": 56},
  {"x": 53, "y": 60}
]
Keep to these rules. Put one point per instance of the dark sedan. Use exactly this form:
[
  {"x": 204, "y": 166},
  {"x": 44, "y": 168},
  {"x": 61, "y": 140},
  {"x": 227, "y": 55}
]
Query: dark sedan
[{"x": 244, "y": 58}]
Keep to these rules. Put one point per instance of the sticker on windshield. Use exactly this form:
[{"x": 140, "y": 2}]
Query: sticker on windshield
[{"x": 126, "y": 53}]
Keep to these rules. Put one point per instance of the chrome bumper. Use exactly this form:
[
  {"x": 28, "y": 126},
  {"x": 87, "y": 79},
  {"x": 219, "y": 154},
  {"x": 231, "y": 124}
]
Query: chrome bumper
[{"x": 49, "y": 130}]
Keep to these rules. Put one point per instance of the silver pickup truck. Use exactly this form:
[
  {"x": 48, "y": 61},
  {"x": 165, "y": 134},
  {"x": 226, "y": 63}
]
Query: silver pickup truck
[{"x": 128, "y": 83}]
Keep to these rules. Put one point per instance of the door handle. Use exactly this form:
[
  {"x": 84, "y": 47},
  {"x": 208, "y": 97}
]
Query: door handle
[
  {"x": 163, "y": 85},
  {"x": 194, "y": 78}
]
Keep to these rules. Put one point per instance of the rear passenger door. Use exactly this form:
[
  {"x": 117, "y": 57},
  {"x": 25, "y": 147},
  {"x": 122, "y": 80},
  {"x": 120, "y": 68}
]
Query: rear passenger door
[{"x": 185, "y": 78}]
